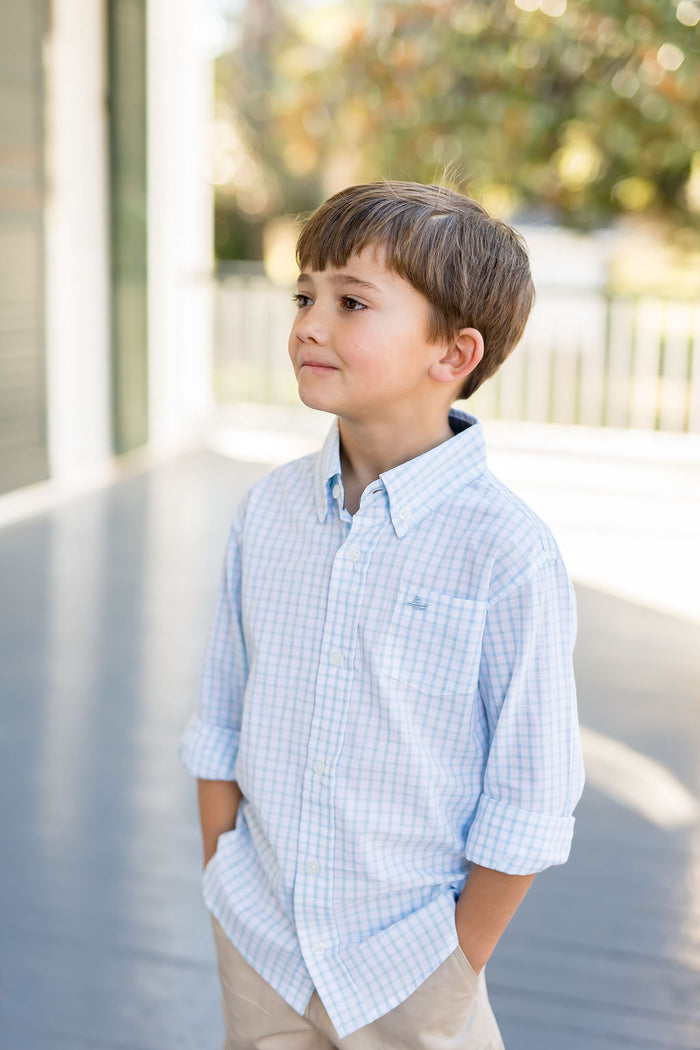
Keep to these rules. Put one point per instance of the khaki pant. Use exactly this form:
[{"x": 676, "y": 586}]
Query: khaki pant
[{"x": 449, "y": 1011}]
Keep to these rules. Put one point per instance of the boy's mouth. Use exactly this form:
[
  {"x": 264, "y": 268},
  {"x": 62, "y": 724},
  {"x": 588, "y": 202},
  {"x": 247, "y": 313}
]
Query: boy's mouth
[{"x": 319, "y": 365}]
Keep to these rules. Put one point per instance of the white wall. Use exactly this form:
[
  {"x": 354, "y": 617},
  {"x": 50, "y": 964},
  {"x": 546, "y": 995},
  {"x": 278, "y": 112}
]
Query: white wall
[
  {"x": 180, "y": 216},
  {"x": 77, "y": 244}
]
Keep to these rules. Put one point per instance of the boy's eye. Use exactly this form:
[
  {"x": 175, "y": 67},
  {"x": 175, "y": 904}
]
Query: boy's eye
[
  {"x": 301, "y": 300},
  {"x": 348, "y": 303}
]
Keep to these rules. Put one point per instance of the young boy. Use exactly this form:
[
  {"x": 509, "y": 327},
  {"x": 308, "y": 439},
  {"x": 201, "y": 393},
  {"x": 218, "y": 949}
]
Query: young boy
[{"x": 387, "y": 746}]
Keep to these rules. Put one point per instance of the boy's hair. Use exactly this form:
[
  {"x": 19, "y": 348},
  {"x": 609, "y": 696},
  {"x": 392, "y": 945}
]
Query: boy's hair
[{"x": 473, "y": 269}]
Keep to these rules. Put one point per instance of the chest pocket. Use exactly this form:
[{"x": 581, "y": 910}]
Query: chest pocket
[{"x": 434, "y": 642}]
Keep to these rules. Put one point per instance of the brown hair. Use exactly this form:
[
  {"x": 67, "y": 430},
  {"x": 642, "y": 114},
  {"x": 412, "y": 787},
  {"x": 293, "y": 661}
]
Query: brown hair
[{"x": 472, "y": 269}]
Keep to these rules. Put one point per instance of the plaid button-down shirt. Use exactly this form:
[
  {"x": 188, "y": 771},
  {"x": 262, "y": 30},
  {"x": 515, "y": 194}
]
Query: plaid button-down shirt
[{"x": 394, "y": 694}]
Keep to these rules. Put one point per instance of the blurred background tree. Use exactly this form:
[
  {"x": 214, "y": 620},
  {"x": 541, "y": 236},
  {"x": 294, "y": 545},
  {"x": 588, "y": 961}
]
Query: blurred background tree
[{"x": 573, "y": 112}]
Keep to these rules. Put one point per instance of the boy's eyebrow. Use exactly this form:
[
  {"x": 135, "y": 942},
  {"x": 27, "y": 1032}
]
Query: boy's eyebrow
[{"x": 345, "y": 278}]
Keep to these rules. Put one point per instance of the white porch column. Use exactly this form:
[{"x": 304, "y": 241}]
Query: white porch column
[
  {"x": 180, "y": 218},
  {"x": 77, "y": 241}
]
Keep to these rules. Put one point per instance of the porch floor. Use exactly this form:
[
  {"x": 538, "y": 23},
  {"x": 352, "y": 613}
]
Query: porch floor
[{"x": 104, "y": 940}]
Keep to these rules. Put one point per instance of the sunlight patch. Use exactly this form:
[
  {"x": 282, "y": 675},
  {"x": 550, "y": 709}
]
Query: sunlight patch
[{"x": 636, "y": 781}]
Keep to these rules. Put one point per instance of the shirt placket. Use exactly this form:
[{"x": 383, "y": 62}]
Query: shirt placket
[{"x": 315, "y": 920}]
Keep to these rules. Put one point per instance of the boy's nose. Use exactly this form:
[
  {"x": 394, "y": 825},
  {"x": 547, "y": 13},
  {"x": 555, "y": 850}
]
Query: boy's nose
[{"x": 311, "y": 326}]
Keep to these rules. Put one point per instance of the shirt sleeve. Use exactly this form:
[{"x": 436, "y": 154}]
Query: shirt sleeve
[
  {"x": 209, "y": 744},
  {"x": 534, "y": 769}
]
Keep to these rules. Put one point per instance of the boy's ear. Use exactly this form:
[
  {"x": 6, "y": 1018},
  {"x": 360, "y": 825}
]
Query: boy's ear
[{"x": 460, "y": 358}]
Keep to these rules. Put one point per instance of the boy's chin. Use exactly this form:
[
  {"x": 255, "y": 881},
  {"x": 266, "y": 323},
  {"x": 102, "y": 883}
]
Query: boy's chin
[{"x": 313, "y": 399}]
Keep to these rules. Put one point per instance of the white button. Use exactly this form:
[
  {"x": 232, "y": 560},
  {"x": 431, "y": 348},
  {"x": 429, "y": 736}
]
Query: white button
[
  {"x": 336, "y": 491},
  {"x": 319, "y": 767},
  {"x": 354, "y": 554},
  {"x": 319, "y": 948},
  {"x": 313, "y": 867},
  {"x": 337, "y": 658},
  {"x": 404, "y": 514}
]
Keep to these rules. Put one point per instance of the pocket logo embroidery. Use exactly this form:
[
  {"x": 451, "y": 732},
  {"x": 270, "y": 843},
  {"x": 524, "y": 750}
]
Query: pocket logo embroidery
[{"x": 417, "y": 602}]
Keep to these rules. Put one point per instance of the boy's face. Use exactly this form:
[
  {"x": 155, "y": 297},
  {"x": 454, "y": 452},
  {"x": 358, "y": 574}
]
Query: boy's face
[{"x": 359, "y": 342}]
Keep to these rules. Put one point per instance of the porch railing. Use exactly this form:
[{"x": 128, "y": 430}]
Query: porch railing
[{"x": 586, "y": 358}]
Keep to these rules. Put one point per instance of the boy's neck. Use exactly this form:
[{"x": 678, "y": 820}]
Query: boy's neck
[{"x": 370, "y": 449}]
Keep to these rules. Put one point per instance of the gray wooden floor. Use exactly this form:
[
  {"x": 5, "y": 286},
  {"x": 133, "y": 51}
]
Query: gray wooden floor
[{"x": 104, "y": 942}]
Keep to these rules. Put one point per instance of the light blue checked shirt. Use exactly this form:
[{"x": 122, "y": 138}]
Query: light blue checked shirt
[{"x": 394, "y": 694}]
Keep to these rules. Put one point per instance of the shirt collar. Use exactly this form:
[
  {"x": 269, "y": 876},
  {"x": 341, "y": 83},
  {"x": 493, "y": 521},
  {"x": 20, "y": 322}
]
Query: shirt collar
[
  {"x": 327, "y": 470},
  {"x": 418, "y": 487}
]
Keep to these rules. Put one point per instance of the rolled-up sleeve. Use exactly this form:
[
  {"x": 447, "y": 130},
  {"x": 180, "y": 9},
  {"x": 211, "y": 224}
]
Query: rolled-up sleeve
[
  {"x": 534, "y": 771},
  {"x": 209, "y": 744}
]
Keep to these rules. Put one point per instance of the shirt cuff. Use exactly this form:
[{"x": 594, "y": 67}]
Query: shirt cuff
[
  {"x": 516, "y": 841},
  {"x": 207, "y": 751}
]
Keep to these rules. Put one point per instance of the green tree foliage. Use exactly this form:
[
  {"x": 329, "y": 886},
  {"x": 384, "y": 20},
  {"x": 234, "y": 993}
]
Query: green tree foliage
[
  {"x": 262, "y": 101},
  {"x": 585, "y": 109}
]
